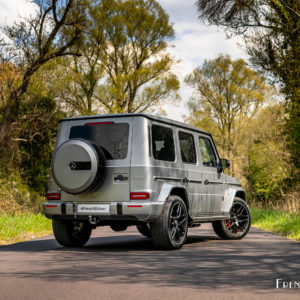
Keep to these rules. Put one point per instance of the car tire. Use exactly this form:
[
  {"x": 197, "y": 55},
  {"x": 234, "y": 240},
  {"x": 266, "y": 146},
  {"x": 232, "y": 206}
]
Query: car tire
[
  {"x": 71, "y": 234},
  {"x": 239, "y": 223},
  {"x": 169, "y": 231},
  {"x": 144, "y": 230}
]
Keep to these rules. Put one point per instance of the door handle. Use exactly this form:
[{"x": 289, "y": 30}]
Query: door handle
[
  {"x": 206, "y": 181},
  {"x": 185, "y": 180}
]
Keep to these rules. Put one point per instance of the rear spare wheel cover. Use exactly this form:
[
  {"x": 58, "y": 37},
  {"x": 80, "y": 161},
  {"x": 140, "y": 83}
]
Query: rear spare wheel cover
[{"x": 75, "y": 166}]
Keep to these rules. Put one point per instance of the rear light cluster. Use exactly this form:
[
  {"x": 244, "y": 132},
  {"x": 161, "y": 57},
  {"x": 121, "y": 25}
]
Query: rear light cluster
[
  {"x": 53, "y": 196},
  {"x": 139, "y": 196}
]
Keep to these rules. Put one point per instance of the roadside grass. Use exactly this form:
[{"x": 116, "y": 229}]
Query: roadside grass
[
  {"x": 21, "y": 227},
  {"x": 282, "y": 223}
]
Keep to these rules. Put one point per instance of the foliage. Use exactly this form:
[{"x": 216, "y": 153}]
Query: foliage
[
  {"x": 15, "y": 195},
  {"x": 269, "y": 169},
  {"x": 271, "y": 31},
  {"x": 283, "y": 223},
  {"x": 53, "y": 30},
  {"x": 37, "y": 136},
  {"x": 20, "y": 227},
  {"x": 33, "y": 133},
  {"x": 124, "y": 66},
  {"x": 29, "y": 116},
  {"x": 227, "y": 94}
]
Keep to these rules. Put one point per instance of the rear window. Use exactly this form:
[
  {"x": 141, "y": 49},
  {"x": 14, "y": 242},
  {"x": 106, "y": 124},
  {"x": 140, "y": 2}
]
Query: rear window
[
  {"x": 187, "y": 148},
  {"x": 163, "y": 143},
  {"x": 112, "y": 138}
]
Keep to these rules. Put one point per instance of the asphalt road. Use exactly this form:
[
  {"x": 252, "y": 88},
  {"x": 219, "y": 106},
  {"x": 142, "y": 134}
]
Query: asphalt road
[{"x": 125, "y": 265}]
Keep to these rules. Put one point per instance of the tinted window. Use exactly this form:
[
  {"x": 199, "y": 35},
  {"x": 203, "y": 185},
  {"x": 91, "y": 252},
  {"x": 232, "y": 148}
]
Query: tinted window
[
  {"x": 163, "y": 143},
  {"x": 207, "y": 152},
  {"x": 187, "y": 148},
  {"x": 112, "y": 138}
]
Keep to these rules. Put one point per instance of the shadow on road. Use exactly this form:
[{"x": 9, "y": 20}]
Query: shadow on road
[
  {"x": 32, "y": 246},
  {"x": 204, "y": 262},
  {"x": 111, "y": 243}
]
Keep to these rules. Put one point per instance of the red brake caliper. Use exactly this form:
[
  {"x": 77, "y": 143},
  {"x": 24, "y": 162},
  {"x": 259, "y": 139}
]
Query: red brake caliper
[{"x": 228, "y": 223}]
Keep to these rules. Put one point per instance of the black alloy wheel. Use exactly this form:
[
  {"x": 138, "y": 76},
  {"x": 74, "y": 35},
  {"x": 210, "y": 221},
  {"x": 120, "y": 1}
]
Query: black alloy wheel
[
  {"x": 239, "y": 219},
  {"x": 238, "y": 224},
  {"x": 170, "y": 229},
  {"x": 178, "y": 222}
]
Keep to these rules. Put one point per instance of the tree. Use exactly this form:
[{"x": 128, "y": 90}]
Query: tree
[
  {"x": 51, "y": 31},
  {"x": 33, "y": 134},
  {"x": 268, "y": 167},
  {"x": 271, "y": 31},
  {"x": 227, "y": 93},
  {"x": 124, "y": 67},
  {"x": 78, "y": 86}
]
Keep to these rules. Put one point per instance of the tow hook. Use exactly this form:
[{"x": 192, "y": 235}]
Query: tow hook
[{"x": 93, "y": 220}]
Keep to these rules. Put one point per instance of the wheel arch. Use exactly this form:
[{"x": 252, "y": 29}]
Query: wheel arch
[
  {"x": 241, "y": 194},
  {"x": 229, "y": 196},
  {"x": 182, "y": 193},
  {"x": 174, "y": 190}
]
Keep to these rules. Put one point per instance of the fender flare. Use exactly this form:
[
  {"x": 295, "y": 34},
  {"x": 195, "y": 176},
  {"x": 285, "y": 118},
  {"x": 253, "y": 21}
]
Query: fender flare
[
  {"x": 229, "y": 196},
  {"x": 166, "y": 191}
]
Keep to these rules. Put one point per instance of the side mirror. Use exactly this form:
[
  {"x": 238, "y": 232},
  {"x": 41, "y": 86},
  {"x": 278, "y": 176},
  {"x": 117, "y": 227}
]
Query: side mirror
[{"x": 224, "y": 163}]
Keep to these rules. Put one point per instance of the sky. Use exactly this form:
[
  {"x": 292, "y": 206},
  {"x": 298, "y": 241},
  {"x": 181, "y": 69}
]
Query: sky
[{"x": 194, "y": 42}]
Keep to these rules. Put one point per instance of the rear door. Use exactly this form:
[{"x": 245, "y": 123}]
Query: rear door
[
  {"x": 213, "y": 181},
  {"x": 113, "y": 136},
  {"x": 191, "y": 177}
]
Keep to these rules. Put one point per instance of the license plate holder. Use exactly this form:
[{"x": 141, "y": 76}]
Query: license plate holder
[{"x": 93, "y": 208}]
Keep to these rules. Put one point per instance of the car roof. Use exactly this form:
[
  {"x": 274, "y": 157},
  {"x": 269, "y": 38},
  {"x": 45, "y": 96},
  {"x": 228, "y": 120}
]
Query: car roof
[{"x": 150, "y": 117}]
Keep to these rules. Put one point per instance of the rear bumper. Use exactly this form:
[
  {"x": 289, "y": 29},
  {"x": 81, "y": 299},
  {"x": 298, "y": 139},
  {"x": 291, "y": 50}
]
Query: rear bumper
[{"x": 141, "y": 211}]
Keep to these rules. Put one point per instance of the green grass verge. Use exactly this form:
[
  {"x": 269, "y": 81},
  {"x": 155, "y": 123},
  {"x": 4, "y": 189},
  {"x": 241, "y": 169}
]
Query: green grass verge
[
  {"x": 282, "y": 223},
  {"x": 17, "y": 228}
]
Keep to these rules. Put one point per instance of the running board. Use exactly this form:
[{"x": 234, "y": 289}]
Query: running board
[{"x": 209, "y": 218}]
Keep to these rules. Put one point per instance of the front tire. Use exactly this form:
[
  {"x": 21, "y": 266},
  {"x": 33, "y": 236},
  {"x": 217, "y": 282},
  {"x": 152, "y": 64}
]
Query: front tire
[
  {"x": 71, "y": 234},
  {"x": 238, "y": 225},
  {"x": 169, "y": 231}
]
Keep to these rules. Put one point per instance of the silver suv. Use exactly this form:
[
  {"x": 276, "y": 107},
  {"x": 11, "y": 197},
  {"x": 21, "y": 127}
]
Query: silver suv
[{"x": 160, "y": 175}]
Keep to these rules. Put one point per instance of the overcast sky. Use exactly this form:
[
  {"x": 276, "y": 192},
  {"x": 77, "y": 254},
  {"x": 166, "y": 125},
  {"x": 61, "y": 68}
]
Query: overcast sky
[{"x": 193, "y": 43}]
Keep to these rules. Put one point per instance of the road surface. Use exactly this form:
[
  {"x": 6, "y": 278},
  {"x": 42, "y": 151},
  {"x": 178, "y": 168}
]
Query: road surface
[{"x": 125, "y": 265}]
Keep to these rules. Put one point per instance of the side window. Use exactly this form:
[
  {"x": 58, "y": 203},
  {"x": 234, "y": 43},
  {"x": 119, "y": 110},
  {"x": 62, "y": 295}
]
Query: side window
[
  {"x": 207, "y": 152},
  {"x": 187, "y": 148},
  {"x": 163, "y": 143}
]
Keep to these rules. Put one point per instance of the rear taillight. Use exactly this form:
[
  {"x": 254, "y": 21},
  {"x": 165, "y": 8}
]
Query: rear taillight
[
  {"x": 53, "y": 196},
  {"x": 139, "y": 196}
]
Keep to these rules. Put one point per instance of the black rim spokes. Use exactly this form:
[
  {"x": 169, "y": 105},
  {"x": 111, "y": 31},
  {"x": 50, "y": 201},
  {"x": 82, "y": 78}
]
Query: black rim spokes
[
  {"x": 178, "y": 222},
  {"x": 239, "y": 219}
]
